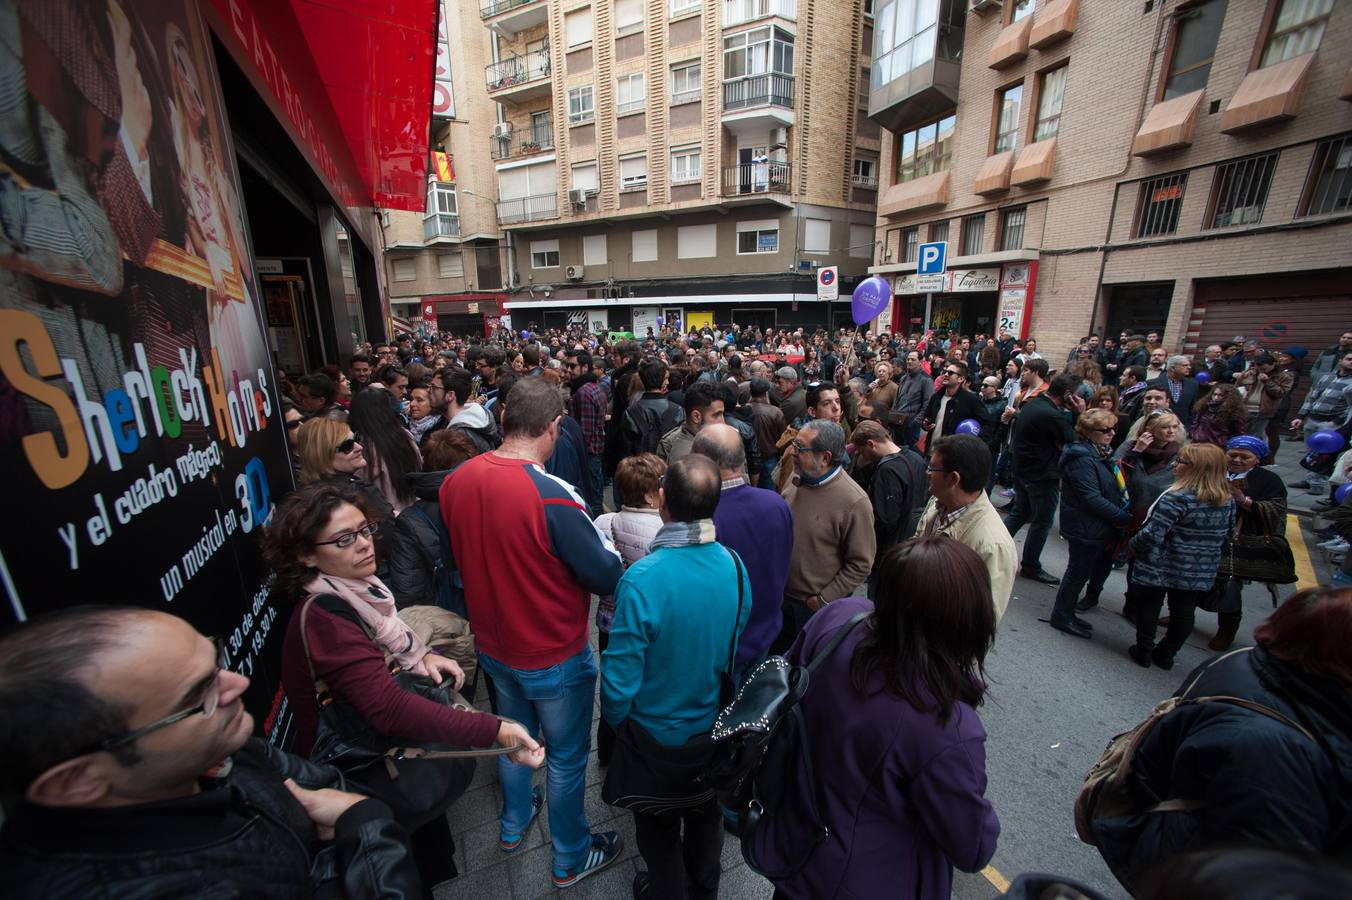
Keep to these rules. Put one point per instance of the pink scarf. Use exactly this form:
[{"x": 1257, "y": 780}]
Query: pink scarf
[{"x": 374, "y": 603}]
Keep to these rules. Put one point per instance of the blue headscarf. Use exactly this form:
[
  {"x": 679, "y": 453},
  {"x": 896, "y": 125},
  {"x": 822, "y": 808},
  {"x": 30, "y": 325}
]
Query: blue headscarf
[{"x": 1257, "y": 446}]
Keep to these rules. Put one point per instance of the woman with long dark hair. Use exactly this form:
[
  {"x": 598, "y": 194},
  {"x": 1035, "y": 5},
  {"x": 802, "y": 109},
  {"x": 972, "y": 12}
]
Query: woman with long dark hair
[
  {"x": 891, "y": 719},
  {"x": 391, "y": 452},
  {"x": 1219, "y": 416}
]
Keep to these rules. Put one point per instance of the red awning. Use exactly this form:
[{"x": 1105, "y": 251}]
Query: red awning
[{"x": 358, "y": 72}]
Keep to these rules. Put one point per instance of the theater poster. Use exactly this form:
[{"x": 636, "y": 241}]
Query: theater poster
[{"x": 141, "y": 438}]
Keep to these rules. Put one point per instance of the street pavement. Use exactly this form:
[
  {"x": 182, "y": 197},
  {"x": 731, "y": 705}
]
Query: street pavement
[{"x": 1054, "y": 702}]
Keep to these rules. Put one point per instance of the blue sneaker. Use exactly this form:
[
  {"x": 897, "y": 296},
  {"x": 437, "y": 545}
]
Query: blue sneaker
[
  {"x": 605, "y": 849},
  {"x": 508, "y": 843}
]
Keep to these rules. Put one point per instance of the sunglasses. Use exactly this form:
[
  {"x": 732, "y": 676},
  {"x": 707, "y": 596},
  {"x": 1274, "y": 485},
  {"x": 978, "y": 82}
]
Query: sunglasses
[
  {"x": 1108, "y": 430},
  {"x": 346, "y": 446},
  {"x": 951, "y": 372}
]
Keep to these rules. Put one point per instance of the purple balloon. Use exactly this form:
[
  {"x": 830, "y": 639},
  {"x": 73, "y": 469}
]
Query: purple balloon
[
  {"x": 869, "y": 299},
  {"x": 1340, "y": 495},
  {"x": 1325, "y": 441},
  {"x": 1203, "y": 376},
  {"x": 968, "y": 426},
  {"x": 525, "y": 335}
]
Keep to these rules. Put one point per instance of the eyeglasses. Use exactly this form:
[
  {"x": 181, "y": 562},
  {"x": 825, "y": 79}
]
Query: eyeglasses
[
  {"x": 935, "y": 470},
  {"x": 1108, "y": 430},
  {"x": 346, "y": 446},
  {"x": 800, "y": 448},
  {"x": 210, "y": 701},
  {"x": 347, "y": 539}
]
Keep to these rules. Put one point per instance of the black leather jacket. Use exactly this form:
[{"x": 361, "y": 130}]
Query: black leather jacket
[{"x": 243, "y": 835}]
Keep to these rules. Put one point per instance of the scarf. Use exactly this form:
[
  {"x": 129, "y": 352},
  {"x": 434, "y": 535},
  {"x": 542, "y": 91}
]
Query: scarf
[
  {"x": 684, "y": 534},
  {"x": 374, "y": 603},
  {"x": 420, "y": 427},
  {"x": 1157, "y": 456},
  {"x": 1105, "y": 452}
]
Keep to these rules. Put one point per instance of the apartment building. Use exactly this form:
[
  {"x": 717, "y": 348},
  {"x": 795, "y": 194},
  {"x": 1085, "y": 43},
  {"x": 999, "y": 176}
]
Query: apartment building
[
  {"x": 447, "y": 265},
  {"x": 1106, "y": 166},
  {"x": 689, "y": 160}
]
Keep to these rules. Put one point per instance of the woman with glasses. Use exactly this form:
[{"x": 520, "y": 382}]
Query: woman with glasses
[
  {"x": 330, "y": 452},
  {"x": 320, "y": 546},
  {"x": 1094, "y": 509},
  {"x": 1178, "y": 550},
  {"x": 1148, "y": 464}
]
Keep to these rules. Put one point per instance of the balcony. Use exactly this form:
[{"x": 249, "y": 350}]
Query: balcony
[
  {"x": 538, "y": 138},
  {"x": 519, "y": 78},
  {"x": 758, "y": 180},
  {"x": 737, "y": 12},
  {"x": 512, "y": 16},
  {"x": 528, "y": 209},
  {"x": 867, "y": 182},
  {"x": 442, "y": 225},
  {"x": 755, "y": 102},
  {"x": 917, "y": 80}
]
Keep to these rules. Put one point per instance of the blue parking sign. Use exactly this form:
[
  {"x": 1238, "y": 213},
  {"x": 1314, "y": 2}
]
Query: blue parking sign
[{"x": 933, "y": 258}]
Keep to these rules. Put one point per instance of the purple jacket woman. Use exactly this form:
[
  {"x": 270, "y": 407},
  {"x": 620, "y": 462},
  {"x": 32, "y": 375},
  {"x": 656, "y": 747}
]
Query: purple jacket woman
[{"x": 903, "y": 795}]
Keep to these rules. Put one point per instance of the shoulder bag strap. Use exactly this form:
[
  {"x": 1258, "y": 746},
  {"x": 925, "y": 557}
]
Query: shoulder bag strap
[
  {"x": 732, "y": 646},
  {"x": 837, "y": 639}
]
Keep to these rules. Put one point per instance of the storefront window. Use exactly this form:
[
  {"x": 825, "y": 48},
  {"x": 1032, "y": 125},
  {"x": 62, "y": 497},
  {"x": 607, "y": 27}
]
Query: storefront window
[{"x": 351, "y": 292}]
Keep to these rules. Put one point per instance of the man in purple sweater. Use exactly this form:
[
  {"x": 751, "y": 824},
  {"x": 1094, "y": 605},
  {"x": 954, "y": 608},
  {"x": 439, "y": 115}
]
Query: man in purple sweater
[{"x": 758, "y": 525}]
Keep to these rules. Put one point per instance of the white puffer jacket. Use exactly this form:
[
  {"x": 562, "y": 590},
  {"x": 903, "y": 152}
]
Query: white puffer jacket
[{"x": 632, "y": 530}]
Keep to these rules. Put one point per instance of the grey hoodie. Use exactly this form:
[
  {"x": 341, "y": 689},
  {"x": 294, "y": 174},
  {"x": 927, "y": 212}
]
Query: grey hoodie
[{"x": 478, "y": 425}]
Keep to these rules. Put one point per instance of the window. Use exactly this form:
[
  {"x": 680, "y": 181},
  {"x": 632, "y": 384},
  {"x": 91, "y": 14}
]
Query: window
[
  {"x": 581, "y": 105},
  {"x": 816, "y": 235},
  {"x": 938, "y": 231},
  {"x": 685, "y": 85},
  {"x": 634, "y": 172},
  {"x": 757, "y": 52},
  {"x": 544, "y": 254},
  {"x": 685, "y": 164},
  {"x": 1011, "y": 228},
  {"x": 1051, "y": 89},
  {"x": 644, "y": 245},
  {"x": 861, "y": 241},
  {"x": 679, "y": 6},
  {"x": 629, "y": 93},
  {"x": 1297, "y": 28},
  {"x": 868, "y": 8},
  {"x": 1196, "y": 30},
  {"x": 628, "y": 16},
  {"x": 441, "y": 219},
  {"x": 865, "y": 173},
  {"x": 1161, "y": 200},
  {"x": 584, "y": 177},
  {"x": 1022, "y": 9},
  {"x": 594, "y": 250},
  {"x": 757, "y": 237},
  {"x": 1330, "y": 186},
  {"x": 926, "y": 150},
  {"x": 973, "y": 234},
  {"x": 450, "y": 265},
  {"x": 904, "y": 38},
  {"x": 577, "y": 27},
  {"x": 1007, "y": 125},
  {"x": 1240, "y": 191},
  {"x": 697, "y": 241},
  {"x": 910, "y": 244},
  {"x": 404, "y": 268}
]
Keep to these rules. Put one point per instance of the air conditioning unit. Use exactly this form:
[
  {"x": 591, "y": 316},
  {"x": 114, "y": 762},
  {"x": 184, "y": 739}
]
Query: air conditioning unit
[
  {"x": 578, "y": 196},
  {"x": 985, "y": 7},
  {"x": 779, "y": 137},
  {"x": 502, "y": 130},
  {"x": 575, "y": 273}
]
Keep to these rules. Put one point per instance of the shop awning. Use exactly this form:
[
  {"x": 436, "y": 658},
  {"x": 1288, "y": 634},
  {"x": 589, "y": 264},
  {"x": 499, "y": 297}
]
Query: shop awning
[{"x": 351, "y": 80}]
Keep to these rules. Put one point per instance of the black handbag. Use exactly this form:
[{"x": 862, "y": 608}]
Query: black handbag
[
  {"x": 1262, "y": 557},
  {"x": 1222, "y": 599},
  {"x": 647, "y": 777},
  {"x": 418, "y": 783}
]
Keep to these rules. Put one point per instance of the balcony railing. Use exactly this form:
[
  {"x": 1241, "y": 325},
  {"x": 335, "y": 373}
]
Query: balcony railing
[
  {"x": 757, "y": 178},
  {"x": 494, "y": 7},
  {"x": 538, "y": 138},
  {"x": 528, "y": 209},
  {"x": 441, "y": 225},
  {"x": 870, "y": 182},
  {"x": 516, "y": 70},
  {"x": 690, "y": 96},
  {"x": 735, "y": 12},
  {"x": 770, "y": 89}
]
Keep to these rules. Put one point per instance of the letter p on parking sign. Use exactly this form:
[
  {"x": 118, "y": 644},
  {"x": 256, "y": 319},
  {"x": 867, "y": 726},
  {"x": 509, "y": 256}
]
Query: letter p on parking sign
[{"x": 933, "y": 258}]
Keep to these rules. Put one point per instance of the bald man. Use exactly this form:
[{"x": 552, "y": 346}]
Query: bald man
[{"x": 757, "y": 525}]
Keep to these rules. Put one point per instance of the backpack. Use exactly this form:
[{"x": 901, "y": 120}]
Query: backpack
[
  {"x": 651, "y": 425},
  {"x": 760, "y": 741},
  {"x": 448, "y": 591},
  {"x": 1111, "y": 789}
]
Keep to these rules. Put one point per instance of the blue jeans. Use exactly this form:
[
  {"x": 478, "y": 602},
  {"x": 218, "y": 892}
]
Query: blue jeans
[
  {"x": 1088, "y": 564},
  {"x": 596, "y": 483},
  {"x": 1034, "y": 505},
  {"x": 557, "y": 703}
]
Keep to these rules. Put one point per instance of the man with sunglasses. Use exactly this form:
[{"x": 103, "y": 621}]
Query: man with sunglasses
[
  {"x": 953, "y": 405},
  {"x": 127, "y": 770}
]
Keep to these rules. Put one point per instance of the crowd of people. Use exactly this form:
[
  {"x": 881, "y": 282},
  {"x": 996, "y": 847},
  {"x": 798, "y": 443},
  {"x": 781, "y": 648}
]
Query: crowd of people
[{"x": 453, "y": 526}]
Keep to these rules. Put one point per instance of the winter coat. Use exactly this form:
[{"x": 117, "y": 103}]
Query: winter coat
[
  {"x": 474, "y": 420},
  {"x": 1179, "y": 546},
  {"x": 414, "y": 543},
  {"x": 1040, "y": 431},
  {"x": 1255, "y": 780},
  {"x": 631, "y": 530},
  {"x": 897, "y": 489},
  {"x": 962, "y": 405},
  {"x": 1093, "y": 504}
]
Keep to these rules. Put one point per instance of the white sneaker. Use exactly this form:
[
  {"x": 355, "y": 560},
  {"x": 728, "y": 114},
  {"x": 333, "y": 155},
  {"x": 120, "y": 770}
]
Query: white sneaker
[{"x": 1338, "y": 546}]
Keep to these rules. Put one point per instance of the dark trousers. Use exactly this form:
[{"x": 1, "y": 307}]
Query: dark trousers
[
  {"x": 1034, "y": 506},
  {"x": 796, "y": 615},
  {"x": 682, "y": 852},
  {"x": 1089, "y": 564},
  {"x": 596, "y": 485},
  {"x": 605, "y": 735},
  {"x": 1182, "y": 610}
]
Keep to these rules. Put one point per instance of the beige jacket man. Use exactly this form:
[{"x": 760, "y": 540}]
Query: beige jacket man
[{"x": 978, "y": 526}]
